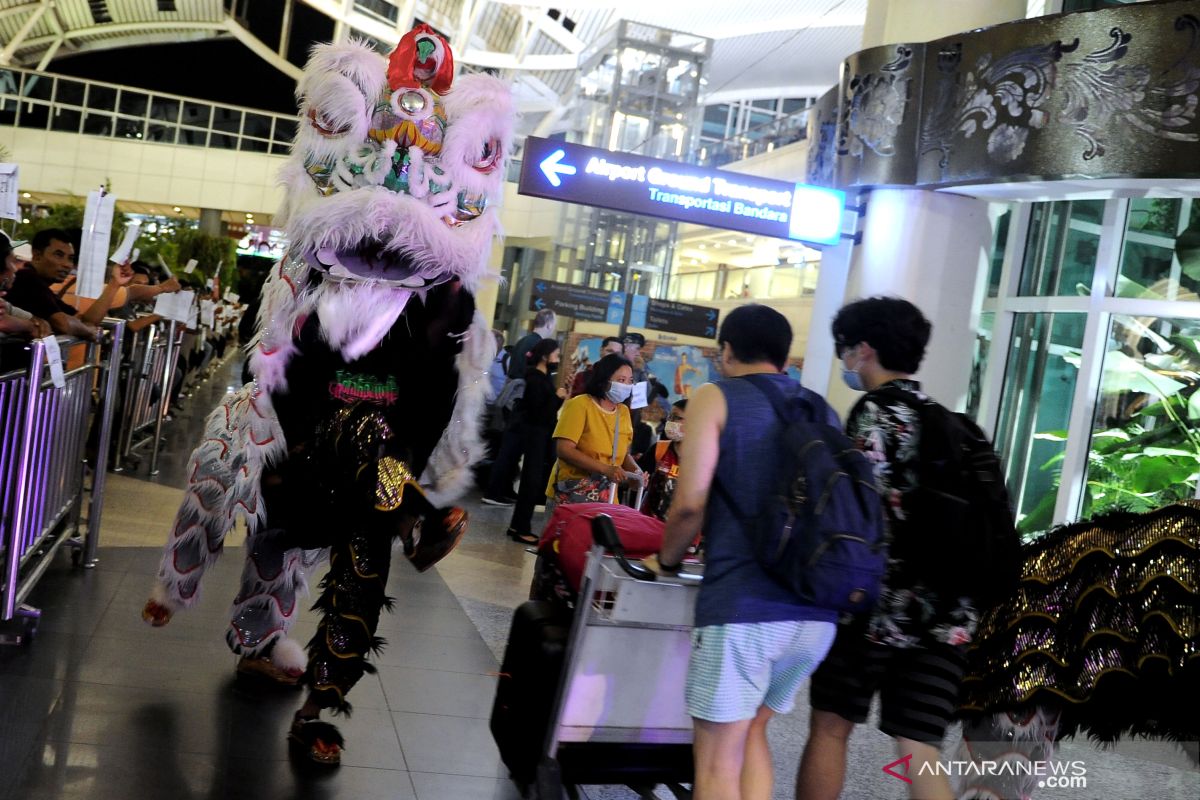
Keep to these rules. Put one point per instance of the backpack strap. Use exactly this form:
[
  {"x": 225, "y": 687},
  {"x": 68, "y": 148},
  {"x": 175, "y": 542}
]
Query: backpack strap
[{"x": 785, "y": 408}]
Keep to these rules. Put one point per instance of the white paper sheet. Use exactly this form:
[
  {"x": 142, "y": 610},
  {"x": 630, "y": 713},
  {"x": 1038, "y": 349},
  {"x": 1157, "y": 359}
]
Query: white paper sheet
[
  {"x": 54, "y": 359},
  {"x": 92, "y": 262},
  {"x": 640, "y": 393},
  {"x": 10, "y": 204},
  {"x": 207, "y": 307},
  {"x": 126, "y": 252},
  {"x": 191, "y": 266},
  {"x": 176, "y": 306}
]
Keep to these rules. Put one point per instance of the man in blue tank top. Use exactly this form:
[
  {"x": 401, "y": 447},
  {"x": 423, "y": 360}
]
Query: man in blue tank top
[{"x": 754, "y": 641}]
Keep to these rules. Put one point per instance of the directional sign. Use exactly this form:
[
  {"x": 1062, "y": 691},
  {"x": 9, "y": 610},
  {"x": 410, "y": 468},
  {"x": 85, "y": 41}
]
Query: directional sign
[
  {"x": 626, "y": 182},
  {"x": 580, "y": 302},
  {"x": 684, "y": 318}
]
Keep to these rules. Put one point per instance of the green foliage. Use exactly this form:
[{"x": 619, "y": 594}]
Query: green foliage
[
  {"x": 179, "y": 246},
  {"x": 68, "y": 216}
]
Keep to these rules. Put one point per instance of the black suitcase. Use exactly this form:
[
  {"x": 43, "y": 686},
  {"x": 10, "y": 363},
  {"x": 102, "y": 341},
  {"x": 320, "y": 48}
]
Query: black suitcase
[{"x": 529, "y": 676}]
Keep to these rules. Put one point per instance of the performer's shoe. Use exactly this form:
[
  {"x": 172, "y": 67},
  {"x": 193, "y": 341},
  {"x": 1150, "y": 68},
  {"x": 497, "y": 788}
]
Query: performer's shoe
[
  {"x": 268, "y": 669},
  {"x": 317, "y": 741},
  {"x": 438, "y": 538},
  {"x": 156, "y": 614}
]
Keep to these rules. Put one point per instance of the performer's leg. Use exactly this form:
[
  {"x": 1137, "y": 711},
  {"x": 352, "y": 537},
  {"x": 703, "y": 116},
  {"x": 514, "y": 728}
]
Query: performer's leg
[{"x": 265, "y": 609}]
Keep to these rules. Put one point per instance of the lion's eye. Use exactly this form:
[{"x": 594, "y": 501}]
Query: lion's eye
[
  {"x": 489, "y": 156},
  {"x": 324, "y": 126}
]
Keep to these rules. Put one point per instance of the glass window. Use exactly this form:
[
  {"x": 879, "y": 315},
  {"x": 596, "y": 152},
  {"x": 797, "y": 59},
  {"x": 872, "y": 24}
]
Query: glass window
[
  {"x": 66, "y": 120},
  {"x": 37, "y": 87},
  {"x": 979, "y": 363},
  {"x": 98, "y": 124},
  {"x": 255, "y": 145},
  {"x": 194, "y": 137},
  {"x": 1145, "y": 447},
  {"x": 163, "y": 109},
  {"x": 1039, "y": 388},
  {"x": 285, "y": 130},
  {"x": 8, "y": 112},
  {"x": 1060, "y": 252},
  {"x": 198, "y": 115},
  {"x": 133, "y": 103},
  {"x": 34, "y": 115},
  {"x": 1160, "y": 254},
  {"x": 130, "y": 128},
  {"x": 69, "y": 92},
  {"x": 999, "y": 245},
  {"x": 223, "y": 141},
  {"x": 164, "y": 134},
  {"x": 257, "y": 125},
  {"x": 102, "y": 98},
  {"x": 227, "y": 120}
]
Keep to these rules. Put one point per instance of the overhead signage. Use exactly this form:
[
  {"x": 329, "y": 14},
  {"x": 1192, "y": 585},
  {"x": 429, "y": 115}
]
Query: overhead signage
[
  {"x": 665, "y": 315},
  {"x": 580, "y": 302},
  {"x": 573, "y": 173}
]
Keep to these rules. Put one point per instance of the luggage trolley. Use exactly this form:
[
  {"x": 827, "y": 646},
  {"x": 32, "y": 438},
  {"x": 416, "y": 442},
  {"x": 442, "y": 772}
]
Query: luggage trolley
[{"x": 619, "y": 715}]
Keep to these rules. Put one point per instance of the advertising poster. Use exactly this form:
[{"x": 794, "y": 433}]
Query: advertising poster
[{"x": 681, "y": 369}]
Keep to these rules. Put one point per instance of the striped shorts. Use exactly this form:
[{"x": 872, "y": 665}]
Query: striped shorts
[
  {"x": 735, "y": 669},
  {"x": 918, "y": 686}
]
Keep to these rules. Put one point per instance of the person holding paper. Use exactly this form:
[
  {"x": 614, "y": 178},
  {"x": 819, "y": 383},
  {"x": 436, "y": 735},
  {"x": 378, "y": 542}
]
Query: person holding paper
[{"x": 53, "y": 261}]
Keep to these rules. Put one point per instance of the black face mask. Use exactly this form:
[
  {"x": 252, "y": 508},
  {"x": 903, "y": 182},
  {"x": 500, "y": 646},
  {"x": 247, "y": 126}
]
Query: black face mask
[{"x": 551, "y": 367}]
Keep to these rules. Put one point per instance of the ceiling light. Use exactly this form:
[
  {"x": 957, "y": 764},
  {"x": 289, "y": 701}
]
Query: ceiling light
[
  {"x": 26, "y": 195},
  {"x": 702, "y": 246},
  {"x": 733, "y": 242},
  {"x": 25, "y": 221},
  {"x": 178, "y": 209}
]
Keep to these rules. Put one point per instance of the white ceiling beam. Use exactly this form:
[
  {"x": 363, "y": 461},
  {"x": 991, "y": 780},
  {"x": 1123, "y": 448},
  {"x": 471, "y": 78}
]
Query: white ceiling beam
[
  {"x": 35, "y": 15},
  {"x": 494, "y": 60},
  {"x": 404, "y": 21},
  {"x": 50, "y": 53},
  {"x": 127, "y": 27},
  {"x": 555, "y": 30},
  {"x": 16, "y": 11}
]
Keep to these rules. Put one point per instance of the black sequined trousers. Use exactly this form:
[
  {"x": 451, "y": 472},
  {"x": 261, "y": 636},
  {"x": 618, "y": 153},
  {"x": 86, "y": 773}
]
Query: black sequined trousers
[{"x": 352, "y": 598}]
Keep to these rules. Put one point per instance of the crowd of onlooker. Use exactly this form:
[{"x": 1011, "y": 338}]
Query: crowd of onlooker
[
  {"x": 38, "y": 299},
  {"x": 582, "y": 443}
]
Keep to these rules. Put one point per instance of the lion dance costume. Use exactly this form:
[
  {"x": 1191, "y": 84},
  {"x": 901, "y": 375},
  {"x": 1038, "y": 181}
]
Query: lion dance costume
[
  {"x": 1101, "y": 638},
  {"x": 361, "y": 424}
]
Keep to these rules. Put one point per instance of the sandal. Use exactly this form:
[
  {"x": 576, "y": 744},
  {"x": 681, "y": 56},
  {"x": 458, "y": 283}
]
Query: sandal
[
  {"x": 523, "y": 538},
  {"x": 433, "y": 546},
  {"x": 268, "y": 669},
  {"x": 156, "y": 614},
  {"x": 321, "y": 742}
]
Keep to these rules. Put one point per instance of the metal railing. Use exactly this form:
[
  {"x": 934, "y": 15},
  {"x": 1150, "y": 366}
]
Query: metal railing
[
  {"x": 44, "y": 447},
  {"x": 149, "y": 367},
  {"x": 46, "y": 101},
  {"x": 755, "y": 141}
]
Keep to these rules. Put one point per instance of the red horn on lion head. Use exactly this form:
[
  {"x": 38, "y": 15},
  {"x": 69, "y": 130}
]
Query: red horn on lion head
[{"x": 422, "y": 58}]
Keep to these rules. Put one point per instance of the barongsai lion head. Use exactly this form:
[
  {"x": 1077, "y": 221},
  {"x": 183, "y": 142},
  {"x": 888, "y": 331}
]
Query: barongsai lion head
[{"x": 394, "y": 165}]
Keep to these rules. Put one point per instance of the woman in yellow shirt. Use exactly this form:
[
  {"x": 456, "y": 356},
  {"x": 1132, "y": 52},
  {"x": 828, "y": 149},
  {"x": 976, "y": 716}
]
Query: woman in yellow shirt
[{"x": 593, "y": 436}]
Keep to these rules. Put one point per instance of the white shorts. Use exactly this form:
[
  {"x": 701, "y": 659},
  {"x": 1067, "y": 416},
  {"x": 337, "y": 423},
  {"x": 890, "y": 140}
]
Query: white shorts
[{"x": 735, "y": 669}]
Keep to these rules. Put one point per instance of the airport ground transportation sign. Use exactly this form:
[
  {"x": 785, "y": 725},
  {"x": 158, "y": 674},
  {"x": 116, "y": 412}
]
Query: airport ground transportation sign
[
  {"x": 590, "y": 176},
  {"x": 581, "y": 302}
]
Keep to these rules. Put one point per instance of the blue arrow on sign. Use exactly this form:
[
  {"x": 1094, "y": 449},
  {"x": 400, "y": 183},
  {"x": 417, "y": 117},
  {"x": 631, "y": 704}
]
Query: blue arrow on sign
[
  {"x": 710, "y": 331},
  {"x": 552, "y": 167},
  {"x": 539, "y": 304},
  {"x": 712, "y": 314},
  {"x": 541, "y": 287}
]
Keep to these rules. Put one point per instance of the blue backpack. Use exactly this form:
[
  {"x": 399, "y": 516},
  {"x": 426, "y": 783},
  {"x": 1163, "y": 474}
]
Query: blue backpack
[{"x": 820, "y": 530}]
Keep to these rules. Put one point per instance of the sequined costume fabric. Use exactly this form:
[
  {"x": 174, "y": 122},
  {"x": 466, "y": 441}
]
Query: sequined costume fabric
[{"x": 1103, "y": 627}]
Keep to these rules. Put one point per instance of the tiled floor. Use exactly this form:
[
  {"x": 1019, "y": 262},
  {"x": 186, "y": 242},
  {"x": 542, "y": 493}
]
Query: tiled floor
[{"x": 102, "y": 706}]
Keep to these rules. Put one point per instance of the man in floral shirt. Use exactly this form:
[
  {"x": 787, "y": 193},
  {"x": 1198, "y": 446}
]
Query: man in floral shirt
[{"x": 911, "y": 647}]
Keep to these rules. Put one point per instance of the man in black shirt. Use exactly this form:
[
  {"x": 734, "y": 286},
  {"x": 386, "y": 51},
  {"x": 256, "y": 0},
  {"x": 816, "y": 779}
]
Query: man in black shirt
[
  {"x": 53, "y": 262},
  {"x": 543, "y": 328}
]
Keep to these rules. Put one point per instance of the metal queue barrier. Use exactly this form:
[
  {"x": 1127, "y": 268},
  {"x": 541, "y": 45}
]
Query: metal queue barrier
[
  {"x": 47, "y": 433},
  {"x": 149, "y": 368}
]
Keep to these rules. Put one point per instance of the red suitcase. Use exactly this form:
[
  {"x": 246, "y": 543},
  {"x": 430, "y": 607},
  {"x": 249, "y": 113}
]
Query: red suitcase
[{"x": 567, "y": 538}]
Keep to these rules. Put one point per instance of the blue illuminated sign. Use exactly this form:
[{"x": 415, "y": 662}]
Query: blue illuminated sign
[{"x": 590, "y": 176}]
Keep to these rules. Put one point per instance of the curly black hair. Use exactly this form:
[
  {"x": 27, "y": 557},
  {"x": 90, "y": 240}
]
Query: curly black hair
[{"x": 896, "y": 328}]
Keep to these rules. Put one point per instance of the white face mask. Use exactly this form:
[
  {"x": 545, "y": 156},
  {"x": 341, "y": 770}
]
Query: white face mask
[
  {"x": 674, "y": 430},
  {"x": 619, "y": 392}
]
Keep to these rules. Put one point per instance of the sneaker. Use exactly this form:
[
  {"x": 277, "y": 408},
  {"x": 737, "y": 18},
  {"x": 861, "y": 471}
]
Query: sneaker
[{"x": 503, "y": 502}]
